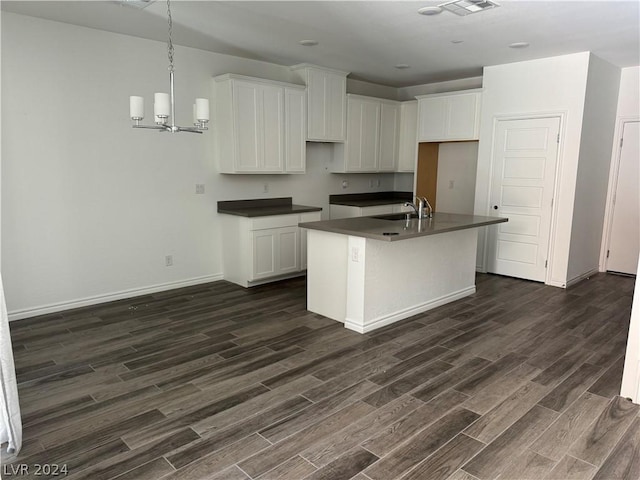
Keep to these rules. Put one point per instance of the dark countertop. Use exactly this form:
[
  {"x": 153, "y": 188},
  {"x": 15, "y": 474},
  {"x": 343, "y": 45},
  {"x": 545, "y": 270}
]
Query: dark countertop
[
  {"x": 401, "y": 229},
  {"x": 263, "y": 207},
  {"x": 370, "y": 199}
]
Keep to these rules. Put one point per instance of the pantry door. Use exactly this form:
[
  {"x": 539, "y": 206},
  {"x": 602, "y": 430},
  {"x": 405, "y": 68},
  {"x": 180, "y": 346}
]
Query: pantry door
[
  {"x": 525, "y": 155},
  {"x": 624, "y": 238}
]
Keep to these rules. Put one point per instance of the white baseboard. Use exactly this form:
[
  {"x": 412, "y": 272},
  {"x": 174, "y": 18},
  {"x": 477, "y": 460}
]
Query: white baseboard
[
  {"x": 408, "y": 312},
  {"x": 584, "y": 276},
  {"x": 109, "y": 297}
]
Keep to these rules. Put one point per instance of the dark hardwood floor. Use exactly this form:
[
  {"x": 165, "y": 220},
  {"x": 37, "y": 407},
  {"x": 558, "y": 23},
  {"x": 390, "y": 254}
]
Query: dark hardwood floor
[{"x": 519, "y": 381}]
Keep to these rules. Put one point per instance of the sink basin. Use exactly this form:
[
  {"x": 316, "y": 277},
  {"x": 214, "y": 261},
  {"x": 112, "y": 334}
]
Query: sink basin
[{"x": 394, "y": 216}]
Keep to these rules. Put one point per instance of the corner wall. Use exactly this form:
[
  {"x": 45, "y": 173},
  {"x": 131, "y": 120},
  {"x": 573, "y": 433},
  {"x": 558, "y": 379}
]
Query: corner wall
[
  {"x": 598, "y": 126},
  {"x": 549, "y": 86}
]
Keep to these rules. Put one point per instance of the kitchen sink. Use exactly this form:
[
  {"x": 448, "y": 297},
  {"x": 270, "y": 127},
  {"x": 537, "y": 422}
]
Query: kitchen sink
[{"x": 394, "y": 216}]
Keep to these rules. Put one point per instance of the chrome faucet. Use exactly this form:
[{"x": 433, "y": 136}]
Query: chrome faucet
[
  {"x": 425, "y": 203},
  {"x": 420, "y": 206}
]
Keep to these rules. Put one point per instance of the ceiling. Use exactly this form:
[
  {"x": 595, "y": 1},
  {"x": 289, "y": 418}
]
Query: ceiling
[{"x": 369, "y": 38}]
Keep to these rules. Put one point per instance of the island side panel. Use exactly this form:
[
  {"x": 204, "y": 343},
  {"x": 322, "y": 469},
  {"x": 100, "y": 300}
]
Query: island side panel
[
  {"x": 327, "y": 256},
  {"x": 405, "y": 278}
]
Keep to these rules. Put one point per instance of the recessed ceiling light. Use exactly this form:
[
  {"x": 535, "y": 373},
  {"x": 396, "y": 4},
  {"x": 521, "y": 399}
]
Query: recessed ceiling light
[
  {"x": 429, "y": 11},
  {"x": 467, "y": 7},
  {"x": 402, "y": 66},
  {"x": 136, "y": 3},
  {"x": 519, "y": 45},
  {"x": 308, "y": 43}
]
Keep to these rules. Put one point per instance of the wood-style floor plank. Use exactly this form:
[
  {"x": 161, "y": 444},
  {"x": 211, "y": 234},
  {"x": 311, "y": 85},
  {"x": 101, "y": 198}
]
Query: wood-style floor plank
[{"x": 219, "y": 382}]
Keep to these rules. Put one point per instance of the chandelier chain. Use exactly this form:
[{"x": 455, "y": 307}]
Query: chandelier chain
[{"x": 170, "y": 43}]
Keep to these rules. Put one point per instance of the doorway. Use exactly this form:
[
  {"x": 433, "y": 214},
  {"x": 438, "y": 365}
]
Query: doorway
[
  {"x": 525, "y": 155},
  {"x": 624, "y": 236}
]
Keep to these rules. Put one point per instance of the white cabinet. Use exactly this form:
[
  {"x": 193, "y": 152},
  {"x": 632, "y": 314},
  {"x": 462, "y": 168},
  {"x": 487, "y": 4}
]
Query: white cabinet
[
  {"x": 326, "y": 102},
  {"x": 408, "y": 140},
  {"x": 348, "y": 211},
  {"x": 449, "y": 116},
  {"x": 275, "y": 252},
  {"x": 259, "y": 125},
  {"x": 373, "y": 127},
  {"x": 261, "y": 249}
]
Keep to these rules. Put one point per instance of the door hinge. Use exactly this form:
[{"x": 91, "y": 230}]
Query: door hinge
[
  {"x": 546, "y": 263},
  {"x": 552, "y": 203},
  {"x": 558, "y": 138},
  {"x": 621, "y": 142},
  {"x": 608, "y": 251}
]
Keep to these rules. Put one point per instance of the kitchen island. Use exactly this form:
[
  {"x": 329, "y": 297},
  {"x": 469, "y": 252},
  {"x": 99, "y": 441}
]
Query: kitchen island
[{"x": 368, "y": 272}]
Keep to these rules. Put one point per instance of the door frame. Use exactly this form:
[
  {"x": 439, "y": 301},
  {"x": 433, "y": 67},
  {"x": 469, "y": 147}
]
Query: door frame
[
  {"x": 612, "y": 187},
  {"x": 561, "y": 115}
]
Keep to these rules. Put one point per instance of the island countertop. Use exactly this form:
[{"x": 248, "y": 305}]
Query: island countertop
[{"x": 393, "y": 227}]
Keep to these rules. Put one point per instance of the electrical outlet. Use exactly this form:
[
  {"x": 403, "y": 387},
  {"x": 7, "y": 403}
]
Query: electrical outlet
[
  {"x": 355, "y": 254},
  {"x": 199, "y": 188},
  {"x": 168, "y": 260},
  {"x": 370, "y": 183},
  {"x": 265, "y": 188},
  {"x": 345, "y": 184}
]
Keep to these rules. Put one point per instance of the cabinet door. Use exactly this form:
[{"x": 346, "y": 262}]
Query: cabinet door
[
  {"x": 295, "y": 130},
  {"x": 376, "y": 210},
  {"x": 264, "y": 249},
  {"x": 288, "y": 254},
  {"x": 272, "y": 131},
  {"x": 336, "y": 104},
  {"x": 432, "y": 119},
  {"x": 389, "y": 135},
  {"x": 463, "y": 115},
  {"x": 363, "y": 145},
  {"x": 306, "y": 217},
  {"x": 247, "y": 99},
  {"x": 408, "y": 142}
]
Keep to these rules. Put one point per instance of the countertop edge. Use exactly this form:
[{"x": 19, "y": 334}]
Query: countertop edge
[
  {"x": 270, "y": 211},
  {"x": 395, "y": 238}
]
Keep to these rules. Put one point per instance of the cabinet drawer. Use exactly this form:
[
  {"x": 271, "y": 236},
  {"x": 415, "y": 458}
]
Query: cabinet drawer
[{"x": 275, "y": 221}]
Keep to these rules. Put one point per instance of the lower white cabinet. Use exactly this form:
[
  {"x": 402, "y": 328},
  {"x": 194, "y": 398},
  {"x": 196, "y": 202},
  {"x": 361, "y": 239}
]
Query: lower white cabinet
[{"x": 260, "y": 249}]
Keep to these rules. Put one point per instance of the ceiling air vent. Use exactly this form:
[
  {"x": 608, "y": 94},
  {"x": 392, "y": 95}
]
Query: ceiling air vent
[{"x": 467, "y": 7}]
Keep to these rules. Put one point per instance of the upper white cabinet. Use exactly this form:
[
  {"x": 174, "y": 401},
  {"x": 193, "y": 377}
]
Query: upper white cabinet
[
  {"x": 259, "y": 125},
  {"x": 452, "y": 116},
  {"x": 373, "y": 127},
  {"x": 326, "y": 102},
  {"x": 408, "y": 148}
]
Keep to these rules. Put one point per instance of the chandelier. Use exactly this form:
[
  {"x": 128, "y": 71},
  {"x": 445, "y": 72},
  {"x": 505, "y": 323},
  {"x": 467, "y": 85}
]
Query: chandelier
[{"x": 164, "y": 108}]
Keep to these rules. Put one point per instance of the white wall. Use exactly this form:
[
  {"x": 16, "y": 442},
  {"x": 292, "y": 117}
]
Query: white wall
[
  {"x": 555, "y": 86},
  {"x": 628, "y": 109},
  {"x": 598, "y": 126},
  {"x": 410, "y": 93},
  {"x": 457, "y": 162},
  {"x": 90, "y": 206}
]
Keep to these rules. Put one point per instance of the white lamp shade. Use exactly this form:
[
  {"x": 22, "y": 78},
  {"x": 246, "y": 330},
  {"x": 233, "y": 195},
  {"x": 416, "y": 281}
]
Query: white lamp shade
[
  {"x": 202, "y": 109},
  {"x": 161, "y": 105},
  {"x": 136, "y": 107}
]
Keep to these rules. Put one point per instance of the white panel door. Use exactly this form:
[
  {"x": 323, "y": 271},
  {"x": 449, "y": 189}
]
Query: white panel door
[
  {"x": 524, "y": 164},
  {"x": 624, "y": 239}
]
